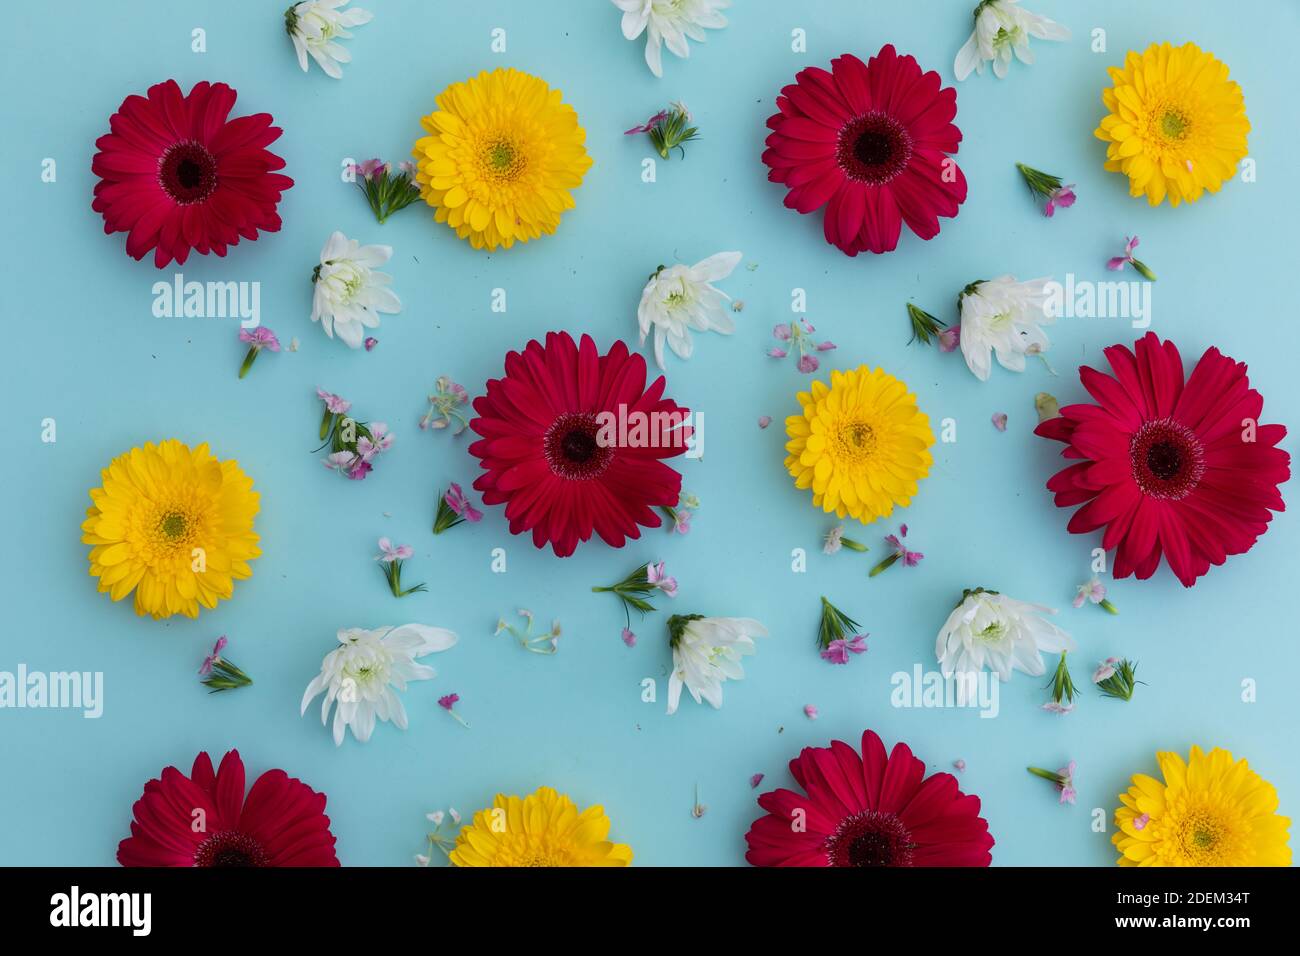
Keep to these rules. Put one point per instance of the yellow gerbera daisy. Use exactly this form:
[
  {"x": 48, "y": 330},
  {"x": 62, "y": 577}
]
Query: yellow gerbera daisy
[
  {"x": 541, "y": 829},
  {"x": 502, "y": 153},
  {"x": 173, "y": 524},
  {"x": 1209, "y": 811},
  {"x": 861, "y": 444},
  {"x": 1177, "y": 125}
]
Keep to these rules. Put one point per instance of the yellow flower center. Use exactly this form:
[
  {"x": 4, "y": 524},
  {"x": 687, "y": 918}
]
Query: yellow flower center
[
  {"x": 856, "y": 441},
  {"x": 502, "y": 160},
  {"x": 173, "y": 526},
  {"x": 1204, "y": 836},
  {"x": 1173, "y": 124}
]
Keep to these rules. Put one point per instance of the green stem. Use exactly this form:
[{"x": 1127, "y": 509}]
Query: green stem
[
  {"x": 1108, "y": 607},
  {"x": 853, "y": 545},
  {"x": 249, "y": 359},
  {"x": 883, "y": 565},
  {"x": 1143, "y": 268},
  {"x": 327, "y": 419},
  {"x": 1051, "y": 775}
]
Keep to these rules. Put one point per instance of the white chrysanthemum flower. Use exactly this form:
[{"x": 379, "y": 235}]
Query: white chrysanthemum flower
[
  {"x": 361, "y": 676},
  {"x": 1001, "y": 29},
  {"x": 993, "y": 630},
  {"x": 315, "y": 25},
  {"x": 1002, "y": 316},
  {"x": 706, "y": 652},
  {"x": 350, "y": 294},
  {"x": 681, "y": 298},
  {"x": 670, "y": 22}
]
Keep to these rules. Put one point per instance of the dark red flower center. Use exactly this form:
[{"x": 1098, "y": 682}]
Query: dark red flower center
[
  {"x": 870, "y": 838},
  {"x": 1168, "y": 459},
  {"x": 230, "y": 848},
  {"x": 573, "y": 449},
  {"x": 873, "y": 148},
  {"x": 187, "y": 172}
]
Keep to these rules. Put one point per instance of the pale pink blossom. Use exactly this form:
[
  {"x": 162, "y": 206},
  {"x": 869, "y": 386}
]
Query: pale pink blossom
[
  {"x": 838, "y": 651},
  {"x": 1105, "y": 670},
  {"x": 458, "y": 503},
  {"x": 657, "y": 576},
  {"x": 214, "y": 656},
  {"x": 260, "y": 338},
  {"x": 338, "y": 406},
  {"x": 341, "y": 461},
  {"x": 388, "y": 554}
]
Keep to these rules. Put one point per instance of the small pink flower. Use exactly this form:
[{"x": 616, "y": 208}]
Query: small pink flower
[
  {"x": 340, "y": 461},
  {"x": 1068, "y": 792},
  {"x": 369, "y": 168},
  {"x": 370, "y": 343},
  {"x": 910, "y": 559},
  {"x": 629, "y": 638},
  {"x": 950, "y": 338},
  {"x": 1140, "y": 823},
  {"x": 959, "y": 765},
  {"x": 260, "y": 338},
  {"x": 378, "y": 441},
  {"x": 458, "y": 503},
  {"x": 838, "y": 651},
  {"x": 1119, "y": 262},
  {"x": 656, "y": 576},
  {"x": 777, "y": 353},
  {"x": 764, "y": 421},
  {"x": 215, "y": 656},
  {"x": 755, "y": 780},
  {"x": 1093, "y": 591},
  {"x": 811, "y": 712},
  {"x": 388, "y": 554},
  {"x": 682, "y": 521},
  {"x": 808, "y": 364},
  {"x": 1105, "y": 670},
  {"x": 359, "y": 470},
  {"x": 1062, "y": 196},
  {"x": 448, "y": 703},
  {"x": 827, "y": 346},
  {"x": 648, "y": 125},
  {"x": 1000, "y": 421},
  {"x": 1056, "y": 707},
  {"x": 782, "y": 332},
  {"x": 335, "y": 404}
]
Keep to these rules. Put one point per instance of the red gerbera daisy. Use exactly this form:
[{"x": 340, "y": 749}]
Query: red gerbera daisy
[
  {"x": 572, "y": 442},
  {"x": 870, "y": 143},
  {"x": 204, "y": 820},
  {"x": 177, "y": 175},
  {"x": 869, "y": 810},
  {"x": 1180, "y": 470}
]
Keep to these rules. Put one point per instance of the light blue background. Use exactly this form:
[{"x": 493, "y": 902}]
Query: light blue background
[{"x": 85, "y": 350}]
